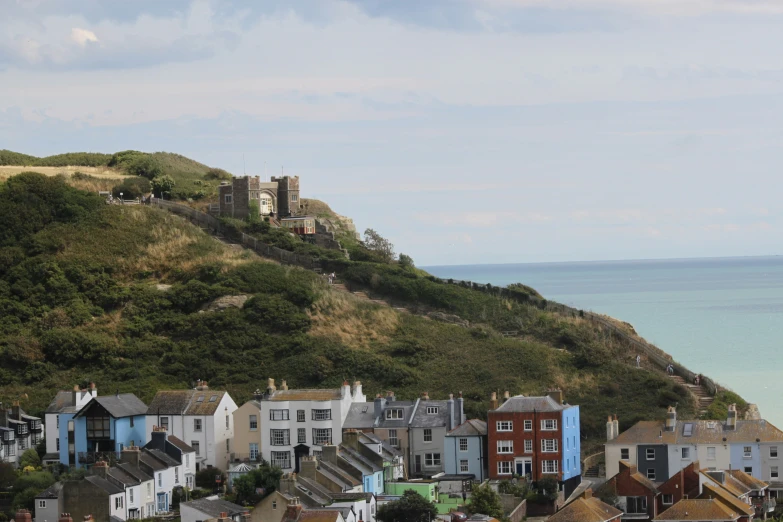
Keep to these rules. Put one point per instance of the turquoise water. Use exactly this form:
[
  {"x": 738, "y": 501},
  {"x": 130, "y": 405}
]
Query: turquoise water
[{"x": 722, "y": 317}]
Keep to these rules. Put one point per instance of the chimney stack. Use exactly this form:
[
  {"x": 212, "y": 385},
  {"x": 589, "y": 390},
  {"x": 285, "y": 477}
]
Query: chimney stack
[
  {"x": 731, "y": 420},
  {"x": 452, "y": 418},
  {"x": 610, "y": 434},
  {"x": 346, "y": 391},
  {"x": 88, "y": 518},
  {"x": 557, "y": 395},
  {"x": 616, "y": 424},
  {"x": 257, "y": 395},
  {"x": 293, "y": 509},
  {"x": 283, "y": 385},
  {"x": 130, "y": 455},
  {"x": 506, "y": 396},
  {"x": 378, "y": 406},
  {"x": 461, "y": 410},
  {"x": 351, "y": 439},
  {"x": 425, "y": 396},
  {"x": 23, "y": 515},
  {"x": 75, "y": 394},
  {"x": 493, "y": 401},
  {"x": 390, "y": 396},
  {"x": 357, "y": 389},
  {"x": 93, "y": 390},
  {"x": 65, "y": 517},
  {"x": 671, "y": 419},
  {"x": 270, "y": 386},
  {"x": 100, "y": 469}
]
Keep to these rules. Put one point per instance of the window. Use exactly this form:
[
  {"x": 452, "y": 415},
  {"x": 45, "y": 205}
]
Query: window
[
  {"x": 253, "y": 451},
  {"x": 279, "y": 437},
  {"x": 773, "y": 472},
  {"x": 394, "y": 414},
  {"x": 294, "y": 197},
  {"x": 427, "y": 435},
  {"x": 161, "y": 503},
  {"x": 393, "y": 440},
  {"x": 58, "y": 444},
  {"x": 651, "y": 473},
  {"x": 625, "y": 454},
  {"x": 504, "y": 468},
  {"x": 176, "y": 474},
  {"x": 229, "y": 198},
  {"x": 710, "y": 453},
  {"x": 650, "y": 453},
  {"x": 196, "y": 424},
  {"x": 319, "y": 415},
  {"x": 281, "y": 459},
  {"x": 300, "y": 415},
  {"x": 528, "y": 425},
  {"x": 686, "y": 453},
  {"x": 160, "y": 480},
  {"x": 253, "y": 422},
  {"x": 548, "y": 466},
  {"x": 636, "y": 505},
  {"x": 773, "y": 452},
  {"x": 528, "y": 446},
  {"x": 195, "y": 445},
  {"x": 11, "y": 450},
  {"x": 130, "y": 494},
  {"x": 98, "y": 428},
  {"x": 322, "y": 437},
  {"x": 41, "y": 503},
  {"x": 228, "y": 445},
  {"x": 549, "y": 445},
  {"x": 213, "y": 398},
  {"x": 57, "y": 420},
  {"x": 164, "y": 423},
  {"x": 277, "y": 415},
  {"x": 131, "y": 422},
  {"x": 747, "y": 452},
  {"x": 301, "y": 436},
  {"x": 317, "y": 454},
  {"x": 22, "y": 444},
  {"x": 227, "y": 421},
  {"x": 749, "y": 470},
  {"x": 463, "y": 466},
  {"x": 505, "y": 446},
  {"x": 118, "y": 503},
  {"x": 274, "y": 504},
  {"x": 431, "y": 460},
  {"x": 149, "y": 489},
  {"x": 463, "y": 444},
  {"x": 505, "y": 426},
  {"x": 549, "y": 424},
  {"x": 668, "y": 500},
  {"x": 432, "y": 410}
]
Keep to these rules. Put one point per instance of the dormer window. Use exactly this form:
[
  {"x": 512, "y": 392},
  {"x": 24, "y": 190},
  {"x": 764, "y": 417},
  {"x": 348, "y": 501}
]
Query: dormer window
[
  {"x": 394, "y": 414},
  {"x": 432, "y": 410}
]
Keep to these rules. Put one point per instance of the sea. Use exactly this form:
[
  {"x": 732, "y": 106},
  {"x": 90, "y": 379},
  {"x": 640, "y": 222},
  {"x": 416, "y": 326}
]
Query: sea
[{"x": 722, "y": 317}]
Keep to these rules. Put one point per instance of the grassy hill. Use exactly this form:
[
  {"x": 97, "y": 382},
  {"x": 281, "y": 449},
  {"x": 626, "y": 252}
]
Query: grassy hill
[{"x": 85, "y": 296}]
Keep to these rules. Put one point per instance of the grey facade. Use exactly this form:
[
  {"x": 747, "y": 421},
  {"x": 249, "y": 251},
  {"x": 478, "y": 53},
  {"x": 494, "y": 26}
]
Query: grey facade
[
  {"x": 430, "y": 421},
  {"x": 653, "y": 461},
  {"x": 279, "y": 197},
  {"x": 49, "y": 504},
  {"x": 465, "y": 450}
]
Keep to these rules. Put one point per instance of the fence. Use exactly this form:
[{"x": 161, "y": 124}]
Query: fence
[{"x": 216, "y": 227}]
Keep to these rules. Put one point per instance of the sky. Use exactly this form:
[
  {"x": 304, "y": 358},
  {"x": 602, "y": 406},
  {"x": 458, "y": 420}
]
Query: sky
[{"x": 465, "y": 131}]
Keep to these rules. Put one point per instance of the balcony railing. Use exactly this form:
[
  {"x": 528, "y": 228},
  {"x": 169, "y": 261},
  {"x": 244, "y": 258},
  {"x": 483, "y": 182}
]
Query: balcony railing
[
  {"x": 91, "y": 457},
  {"x": 245, "y": 457}
]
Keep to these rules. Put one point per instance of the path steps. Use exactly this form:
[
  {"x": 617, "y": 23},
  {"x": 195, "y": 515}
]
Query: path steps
[{"x": 702, "y": 396}]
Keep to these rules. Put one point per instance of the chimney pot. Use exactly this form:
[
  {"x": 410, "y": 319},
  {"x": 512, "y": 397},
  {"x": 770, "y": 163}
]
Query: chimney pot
[
  {"x": 425, "y": 396},
  {"x": 283, "y": 385}
]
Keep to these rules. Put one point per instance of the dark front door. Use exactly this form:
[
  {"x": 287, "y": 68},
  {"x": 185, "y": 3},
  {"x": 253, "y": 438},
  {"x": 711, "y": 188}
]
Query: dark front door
[
  {"x": 520, "y": 469},
  {"x": 299, "y": 452},
  {"x": 417, "y": 468},
  {"x": 528, "y": 468}
]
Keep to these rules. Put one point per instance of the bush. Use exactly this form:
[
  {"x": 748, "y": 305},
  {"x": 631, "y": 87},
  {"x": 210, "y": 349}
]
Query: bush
[
  {"x": 205, "y": 478},
  {"x": 218, "y": 174},
  {"x": 132, "y": 188},
  {"x": 29, "y": 458},
  {"x": 275, "y": 314},
  {"x": 144, "y": 166}
]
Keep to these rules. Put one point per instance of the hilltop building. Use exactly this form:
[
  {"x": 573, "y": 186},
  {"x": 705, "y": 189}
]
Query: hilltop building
[{"x": 278, "y": 197}]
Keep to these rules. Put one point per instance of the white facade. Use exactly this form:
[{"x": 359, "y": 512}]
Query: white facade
[
  {"x": 164, "y": 485},
  {"x": 209, "y": 434},
  {"x": 710, "y": 456},
  {"x": 117, "y": 506},
  {"x": 307, "y": 419},
  {"x": 78, "y": 398},
  {"x": 188, "y": 469}
]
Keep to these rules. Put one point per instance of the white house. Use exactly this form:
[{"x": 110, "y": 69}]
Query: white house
[
  {"x": 201, "y": 418},
  {"x": 28, "y": 431},
  {"x": 165, "y": 474},
  {"x": 297, "y": 423},
  {"x": 64, "y": 402},
  {"x": 210, "y": 508},
  {"x": 140, "y": 496}
]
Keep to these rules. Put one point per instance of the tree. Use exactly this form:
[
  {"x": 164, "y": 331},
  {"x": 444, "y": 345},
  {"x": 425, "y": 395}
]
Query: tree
[
  {"x": 29, "y": 458},
  {"x": 379, "y": 245},
  {"x": 406, "y": 261},
  {"x": 412, "y": 507},
  {"x": 145, "y": 166},
  {"x": 485, "y": 500},
  {"x": 266, "y": 477},
  {"x": 162, "y": 185},
  {"x": 7, "y": 475}
]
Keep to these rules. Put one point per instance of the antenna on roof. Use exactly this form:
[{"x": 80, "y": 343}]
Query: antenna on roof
[{"x": 244, "y": 170}]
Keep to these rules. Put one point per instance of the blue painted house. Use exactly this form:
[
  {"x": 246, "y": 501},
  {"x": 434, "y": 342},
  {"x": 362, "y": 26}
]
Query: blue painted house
[
  {"x": 571, "y": 461},
  {"x": 345, "y": 460},
  {"x": 102, "y": 427},
  {"x": 465, "y": 450}
]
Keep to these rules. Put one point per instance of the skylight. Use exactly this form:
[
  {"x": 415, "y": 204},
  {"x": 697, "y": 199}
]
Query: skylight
[
  {"x": 213, "y": 398},
  {"x": 687, "y": 430},
  {"x": 200, "y": 398}
]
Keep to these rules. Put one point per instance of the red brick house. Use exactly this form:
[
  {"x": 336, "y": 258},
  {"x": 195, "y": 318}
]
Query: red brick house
[
  {"x": 684, "y": 484},
  {"x": 632, "y": 492}
]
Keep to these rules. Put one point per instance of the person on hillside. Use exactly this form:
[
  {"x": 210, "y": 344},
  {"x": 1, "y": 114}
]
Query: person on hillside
[
  {"x": 696, "y": 380},
  {"x": 331, "y": 278},
  {"x": 638, "y": 361}
]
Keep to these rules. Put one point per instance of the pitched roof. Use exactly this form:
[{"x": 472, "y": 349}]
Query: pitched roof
[
  {"x": 728, "y": 500},
  {"x": 702, "y": 432},
  {"x": 164, "y": 458},
  {"x": 320, "y": 515},
  {"x": 151, "y": 461},
  {"x": 362, "y": 415},
  {"x": 52, "y": 491},
  {"x": 61, "y": 401},
  {"x": 748, "y": 480},
  {"x": 520, "y": 403},
  {"x": 118, "y": 406},
  {"x": 205, "y": 402},
  {"x": 586, "y": 510},
  {"x": 422, "y": 419},
  {"x": 185, "y": 402},
  {"x": 469, "y": 428},
  {"x": 699, "y": 510},
  {"x": 134, "y": 471},
  {"x": 104, "y": 484},
  {"x": 214, "y": 507},
  {"x": 306, "y": 395},
  {"x": 123, "y": 476},
  {"x": 179, "y": 443}
]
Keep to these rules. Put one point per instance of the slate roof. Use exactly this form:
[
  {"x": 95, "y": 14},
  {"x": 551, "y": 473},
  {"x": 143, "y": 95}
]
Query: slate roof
[
  {"x": 421, "y": 419},
  {"x": 166, "y": 459},
  {"x": 104, "y": 484},
  {"x": 179, "y": 443},
  {"x": 214, "y": 508},
  {"x": 170, "y": 402},
  {"x": 306, "y": 395},
  {"x": 52, "y": 491},
  {"x": 151, "y": 461},
  {"x": 520, "y": 403},
  {"x": 698, "y": 510},
  {"x": 362, "y": 415},
  {"x": 586, "y": 510},
  {"x": 118, "y": 406},
  {"x": 360, "y": 462},
  {"x": 138, "y": 473},
  {"x": 469, "y": 428},
  {"x": 371, "y": 438},
  {"x": 703, "y": 432},
  {"x": 123, "y": 476},
  {"x": 63, "y": 401}
]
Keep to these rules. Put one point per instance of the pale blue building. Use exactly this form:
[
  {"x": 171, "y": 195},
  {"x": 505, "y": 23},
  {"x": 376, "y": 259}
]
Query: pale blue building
[
  {"x": 465, "y": 450},
  {"x": 571, "y": 463},
  {"x": 102, "y": 428}
]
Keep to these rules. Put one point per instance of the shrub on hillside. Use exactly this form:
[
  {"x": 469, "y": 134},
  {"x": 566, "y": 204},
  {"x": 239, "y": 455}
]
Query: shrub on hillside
[
  {"x": 132, "y": 188},
  {"x": 275, "y": 314},
  {"x": 218, "y": 174}
]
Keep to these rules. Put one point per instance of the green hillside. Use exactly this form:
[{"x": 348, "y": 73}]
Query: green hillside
[{"x": 84, "y": 296}]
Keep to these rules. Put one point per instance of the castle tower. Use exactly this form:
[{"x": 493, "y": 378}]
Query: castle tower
[{"x": 288, "y": 201}]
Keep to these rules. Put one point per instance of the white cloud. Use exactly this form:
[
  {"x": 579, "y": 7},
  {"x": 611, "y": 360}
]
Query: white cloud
[
  {"x": 664, "y": 7},
  {"x": 83, "y": 36}
]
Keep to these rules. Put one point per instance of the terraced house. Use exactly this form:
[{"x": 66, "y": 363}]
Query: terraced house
[
  {"x": 661, "y": 449},
  {"x": 20, "y": 432}
]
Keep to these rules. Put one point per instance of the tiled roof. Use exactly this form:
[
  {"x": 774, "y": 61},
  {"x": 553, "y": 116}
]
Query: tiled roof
[
  {"x": 207, "y": 405},
  {"x": 728, "y": 500},
  {"x": 167, "y": 460},
  {"x": 520, "y": 403},
  {"x": 123, "y": 476},
  {"x": 136, "y": 472},
  {"x": 644, "y": 481},
  {"x": 214, "y": 508},
  {"x": 152, "y": 462},
  {"x": 702, "y": 432},
  {"x": 469, "y": 428},
  {"x": 729, "y": 483},
  {"x": 699, "y": 510},
  {"x": 306, "y": 395},
  {"x": 586, "y": 510},
  {"x": 52, "y": 491},
  {"x": 751, "y": 482},
  {"x": 320, "y": 515},
  {"x": 179, "y": 443},
  {"x": 119, "y": 406},
  {"x": 170, "y": 402}
]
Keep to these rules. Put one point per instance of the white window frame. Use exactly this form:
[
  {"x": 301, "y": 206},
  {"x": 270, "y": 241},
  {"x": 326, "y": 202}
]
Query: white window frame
[
  {"x": 432, "y": 460},
  {"x": 427, "y": 435},
  {"x": 281, "y": 459},
  {"x": 747, "y": 452},
  {"x": 394, "y": 414},
  {"x": 549, "y": 446},
  {"x": 548, "y": 424},
  {"x": 549, "y": 467},
  {"x": 393, "y": 440},
  {"x": 42, "y": 504},
  {"x": 773, "y": 452},
  {"x": 463, "y": 444},
  {"x": 774, "y": 472},
  {"x": 650, "y": 453},
  {"x": 528, "y": 425},
  {"x": 301, "y": 435},
  {"x": 322, "y": 436},
  {"x": 197, "y": 426},
  {"x": 686, "y": 453},
  {"x": 505, "y": 447},
  {"x": 196, "y": 446},
  {"x": 464, "y": 466},
  {"x": 505, "y": 425},
  {"x": 253, "y": 448},
  {"x": 432, "y": 410},
  {"x": 253, "y": 419},
  {"x": 278, "y": 415},
  {"x": 505, "y": 467},
  {"x": 711, "y": 451},
  {"x": 321, "y": 415},
  {"x": 228, "y": 198},
  {"x": 528, "y": 446},
  {"x": 279, "y": 437},
  {"x": 651, "y": 473}
]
